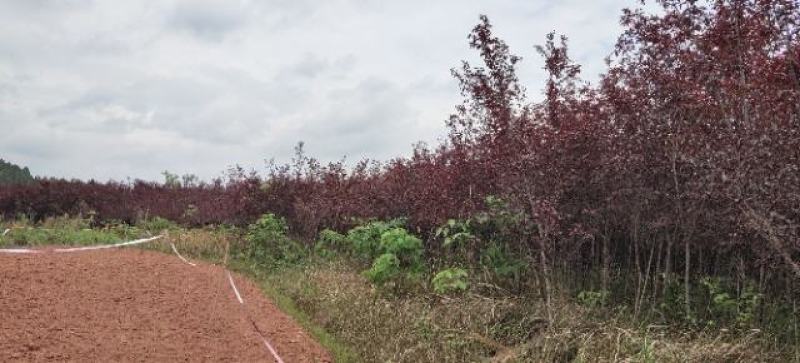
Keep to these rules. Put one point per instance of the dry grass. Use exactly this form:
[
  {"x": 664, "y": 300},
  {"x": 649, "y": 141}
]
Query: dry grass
[
  {"x": 207, "y": 244},
  {"x": 473, "y": 328}
]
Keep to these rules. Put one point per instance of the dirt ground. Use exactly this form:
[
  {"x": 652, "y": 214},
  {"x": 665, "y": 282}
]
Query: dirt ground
[{"x": 133, "y": 305}]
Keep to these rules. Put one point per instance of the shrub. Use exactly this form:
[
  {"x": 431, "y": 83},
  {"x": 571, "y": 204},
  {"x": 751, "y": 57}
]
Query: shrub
[
  {"x": 455, "y": 232},
  {"x": 593, "y": 299},
  {"x": 385, "y": 268},
  {"x": 504, "y": 266},
  {"x": 267, "y": 242},
  {"x": 673, "y": 305},
  {"x": 726, "y": 306},
  {"x": 157, "y": 224},
  {"x": 450, "y": 280},
  {"x": 366, "y": 239},
  {"x": 331, "y": 242},
  {"x": 400, "y": 252},
  {"x": 405, "y": 246},
  {"x": 268, "y": 226}
]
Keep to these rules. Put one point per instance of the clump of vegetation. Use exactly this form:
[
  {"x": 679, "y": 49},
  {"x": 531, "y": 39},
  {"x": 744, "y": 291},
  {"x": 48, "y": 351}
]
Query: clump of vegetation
[
  {"x": 451, "y": 280},
  {"x": 61, "y": 231},
  {"x": 593, "y": 299},
  {"x": 366, "y": 239},
  {"x": 157, "y": 225},
  {"x": 729, "y": 308},
  {"x": 407, "y": 247},
  {"x": 330, "y": 243},
  {"x": 399, "y": 259},
  {"x": 484, "y": 242},
  {"x": 386, "y": 268},
  {"x": 393, "y": 254},
  {"x": 455, "y": 233},
  {"x": 502, "y": 265},
  {"x": 268, "y": 243}
]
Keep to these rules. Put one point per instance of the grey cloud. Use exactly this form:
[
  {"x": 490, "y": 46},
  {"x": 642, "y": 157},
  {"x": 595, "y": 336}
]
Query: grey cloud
[
  {"x": 102, "y": 45},
  {"x": 210, "y": 20},
  {"x": 367, "y": 120},
  {"x": 104, "y": 90},
  {"x": 308, "y": 67},
  {"x": 202, "y": 110},
  {"x": 46, "y": 6}
]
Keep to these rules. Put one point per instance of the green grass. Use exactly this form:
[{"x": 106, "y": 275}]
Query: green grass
[{"x": 63, "y": 231}]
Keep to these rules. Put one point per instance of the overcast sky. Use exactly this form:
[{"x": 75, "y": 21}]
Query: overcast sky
[{"x": 117, "y": 89}]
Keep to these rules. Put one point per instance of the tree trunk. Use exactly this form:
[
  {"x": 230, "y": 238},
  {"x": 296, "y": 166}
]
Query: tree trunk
[
  {"x": 764, "y": 226},
  {"x": 640, "y": 293},
  {"x": 606, "y": 264},
  {"x": 668, "y": 262},
  {"x": 547, "y": 287},
  {"x": 680, "y": 220},
  {"x": 686, "y": 284}
]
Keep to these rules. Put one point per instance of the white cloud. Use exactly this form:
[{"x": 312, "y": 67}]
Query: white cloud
[{"x": 102, "y": 90}]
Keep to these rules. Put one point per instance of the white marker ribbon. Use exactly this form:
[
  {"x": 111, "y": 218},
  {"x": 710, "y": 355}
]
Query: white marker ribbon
[
  {"x": 18, "y": 250},
  {"x": 179, "y": 255},
  {"x": 5, "y": 232},
  {"x": 77, "y": 249},
  {"x": 271, "y": 349},
  {"x": 235, "y": 290},
  {"x": 101, "y": 247},
  {"x": 263, "y": 339}
]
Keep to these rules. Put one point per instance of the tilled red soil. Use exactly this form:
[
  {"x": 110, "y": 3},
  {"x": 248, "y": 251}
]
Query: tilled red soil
[{"x": 136, "y": 305}]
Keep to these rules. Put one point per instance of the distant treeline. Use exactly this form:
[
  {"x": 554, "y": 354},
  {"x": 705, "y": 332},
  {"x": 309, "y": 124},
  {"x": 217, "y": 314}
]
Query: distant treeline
[{"x": 13, "y": 174}]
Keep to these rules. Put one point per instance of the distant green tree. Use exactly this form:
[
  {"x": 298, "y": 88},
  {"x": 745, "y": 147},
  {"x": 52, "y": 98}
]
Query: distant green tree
[
  {"x": 171, "y": 180},
  {"x": 190, "y": 180},
  {"x": 13, "y": 174},
  {"x": 176, "y": 181}
]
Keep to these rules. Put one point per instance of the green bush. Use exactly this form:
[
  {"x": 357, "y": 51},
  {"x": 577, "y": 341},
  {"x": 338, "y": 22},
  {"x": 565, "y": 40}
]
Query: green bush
[
  {"x": 405, "y": 246},
  {"x": 268, "y": 226},
  {"x": 331, "y": 242},
  {"x": 673, "y": 306},
  {"x": 157, "y": 225},
  {"x": 593, "y": 299},
  {"x": 484, "y": 239},
  {"x": 726, "y": 307},
  {"x": 385, "y": 268},
  {"x": 366, "y": 239},
  {"x": 496, "y": 258},
  {"x": 450, "y": 280},
  {"x": 399, "y": 253},
  {"x": 267, "y": 242},
  {"x": 455, "y": 233},
  {"x": 499, "y": 221}
]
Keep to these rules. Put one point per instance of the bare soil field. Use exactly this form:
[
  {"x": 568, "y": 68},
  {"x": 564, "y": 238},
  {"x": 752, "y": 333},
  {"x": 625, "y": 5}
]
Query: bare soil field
[{"x": 133, "y": 305}]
